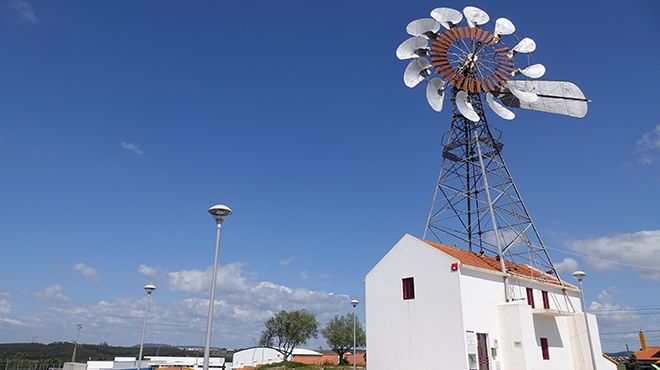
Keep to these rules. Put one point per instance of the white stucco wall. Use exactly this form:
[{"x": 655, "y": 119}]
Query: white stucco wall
[
  {"x": 480, "y": 294},
  {"x": 99, "y": 365},
  {"x": 517, "y": 344},
  {"x": 578, "y": 331},
  {"x": 556, "y": 330},
  {"x": 423, "y": 333}
]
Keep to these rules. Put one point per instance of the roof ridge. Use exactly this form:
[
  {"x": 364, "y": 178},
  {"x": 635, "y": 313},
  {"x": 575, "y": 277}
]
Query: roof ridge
[{"x": 486, "y": 262}]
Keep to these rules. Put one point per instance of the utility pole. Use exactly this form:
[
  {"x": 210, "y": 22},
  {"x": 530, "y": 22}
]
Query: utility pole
[{"x": 75, "y": 344}]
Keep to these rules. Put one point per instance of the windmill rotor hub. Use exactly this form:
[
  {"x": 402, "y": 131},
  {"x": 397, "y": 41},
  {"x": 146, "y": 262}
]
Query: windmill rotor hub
[{"x": 460, "y": 48}]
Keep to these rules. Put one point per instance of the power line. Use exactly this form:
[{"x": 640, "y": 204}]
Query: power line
[
  {"x": 632, "y": 332},
  {"x": 605, "y": 260},
  {"x": 630, "y": 314},
  {"x": 611, "y": 312},
  {"x": 628, "y": 308}
]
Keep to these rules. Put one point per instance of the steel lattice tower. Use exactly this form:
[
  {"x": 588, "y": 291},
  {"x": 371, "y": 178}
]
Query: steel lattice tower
[{"x": 463, "y": 200}]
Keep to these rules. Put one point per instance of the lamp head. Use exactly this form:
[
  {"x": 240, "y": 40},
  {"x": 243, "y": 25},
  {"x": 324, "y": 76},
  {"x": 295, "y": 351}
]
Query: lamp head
[
  {"x": 579, "y": 275},
  {"x": 149, "y": 288},
  {"x": 355, "y": 302},
  {"x": 220, "y": 212}
]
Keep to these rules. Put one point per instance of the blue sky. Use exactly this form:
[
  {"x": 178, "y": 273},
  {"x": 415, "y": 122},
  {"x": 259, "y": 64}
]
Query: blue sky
[{"x": 121, "y": 122}]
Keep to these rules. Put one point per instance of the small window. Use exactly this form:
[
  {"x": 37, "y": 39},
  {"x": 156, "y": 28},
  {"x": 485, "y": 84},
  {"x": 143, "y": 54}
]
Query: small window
[
  {"x": 530, "y": 297},
  {"x": 546, "y": 300},
  {"x": 544, "y": 348},
  {"x": 408, "y": 288}
]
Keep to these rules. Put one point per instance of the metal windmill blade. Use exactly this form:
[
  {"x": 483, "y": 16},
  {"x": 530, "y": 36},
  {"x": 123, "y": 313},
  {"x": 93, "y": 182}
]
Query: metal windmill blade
[
  {"x": 426, "y": 27},
  {"x": 498, "y": 108},
  {"x": 414, "y": 47},
  {"x": 475, "y": 16},
  {"x": 447, "y": 17},
  {"x": 416, "y": 72},
  {"x": 503, "y": 27},
  {"x": 465, "y": 107},
  {"x": 435, "y": 94},
  {"x": 533, "y": 71}
]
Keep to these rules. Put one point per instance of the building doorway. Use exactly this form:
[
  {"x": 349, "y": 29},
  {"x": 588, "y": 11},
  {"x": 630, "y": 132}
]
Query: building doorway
[{"x": 482, "y": 351}]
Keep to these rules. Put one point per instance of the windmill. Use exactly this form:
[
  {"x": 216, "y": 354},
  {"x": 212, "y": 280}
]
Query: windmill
[{"x": 476, "y": 204}]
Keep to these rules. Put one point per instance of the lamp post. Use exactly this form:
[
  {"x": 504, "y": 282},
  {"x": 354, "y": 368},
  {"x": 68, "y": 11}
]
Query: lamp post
[
  {"x": 354, "y": 303},
  {"x": 219, "y": 212},
  {"x": 579, "y": 276},
  {"x": 75, "y": 344},
  {"x": 149, "y": 288}
]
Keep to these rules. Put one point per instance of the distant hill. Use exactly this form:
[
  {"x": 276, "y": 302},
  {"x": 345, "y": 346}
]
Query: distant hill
[{"x": 61, "y": 352}]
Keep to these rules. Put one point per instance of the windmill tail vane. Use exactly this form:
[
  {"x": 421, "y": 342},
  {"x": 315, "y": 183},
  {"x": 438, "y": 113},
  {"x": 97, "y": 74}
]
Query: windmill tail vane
[{"x": 476, "y": 204}]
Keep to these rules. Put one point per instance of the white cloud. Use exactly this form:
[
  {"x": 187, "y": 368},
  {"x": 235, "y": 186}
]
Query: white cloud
[
  {"x": 52, "y": 293},
  {"x": 648, "y": 146},
  {"x": 638, "y": 250},
  {"x": 610, "y": 313},
  {"x": 88, "y": 272},
  {"x": 651, "y": 139},
  {"x": 5, "y": 303},
  {"x": 508, "y": 238},
  {"x": 287, "y": 261},
  {"x": 252, "y": 299},
  {"x": 13, "y": 322},
  {"x": 304, "y": 275},
  {"x": 567, "y": 266},
  {"x": 135, "y": 148},
  {"x": 189, "y": 280},
  {"x": 24, "y": 10},
  {"x": 242, "y": 305},
  {"x": 148, "y": 271}
]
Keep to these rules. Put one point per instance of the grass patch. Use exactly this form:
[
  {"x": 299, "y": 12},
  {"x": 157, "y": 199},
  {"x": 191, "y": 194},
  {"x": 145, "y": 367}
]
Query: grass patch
[
  {"x": 298, "y": 365},
  {"x": 286, "y": 365}
]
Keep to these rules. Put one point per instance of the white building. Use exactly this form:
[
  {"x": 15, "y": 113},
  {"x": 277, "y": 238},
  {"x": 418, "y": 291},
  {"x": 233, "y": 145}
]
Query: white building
[
  {"x": 255, "y": 356},
  {"x": 155, "y": 362},
  {"x": 195, "y": 363},
  {"x": 430, "y": 306}
]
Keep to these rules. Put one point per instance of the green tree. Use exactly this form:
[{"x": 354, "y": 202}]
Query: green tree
[
  {"x": 287, "y": 330},
  {"x": 339, "y": 334}
]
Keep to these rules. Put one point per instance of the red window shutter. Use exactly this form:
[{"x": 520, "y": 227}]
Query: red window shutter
[
  {"x": 408, "y": 288},
  {"x": 530, "y": 297},
  {"x": 544, "y": 348},
  {"x": 546, "y": 300}
]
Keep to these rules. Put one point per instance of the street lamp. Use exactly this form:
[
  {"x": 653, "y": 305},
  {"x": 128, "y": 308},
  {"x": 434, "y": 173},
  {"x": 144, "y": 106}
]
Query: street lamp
[
  {"x": 354, "y": 302},
  {"x": 149, "y": 288},
  {"x": 219, "y": 212},
  {"x": 75, "y": 344},
  {"x": 579, "y": 276}
]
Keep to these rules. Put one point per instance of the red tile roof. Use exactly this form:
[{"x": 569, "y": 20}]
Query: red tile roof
[
  {"x": 650, "y": 354},
  {"x": 491, "y": 263}
]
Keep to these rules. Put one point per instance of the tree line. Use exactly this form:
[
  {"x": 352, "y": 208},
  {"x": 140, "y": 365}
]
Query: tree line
[{"x": 60, "y": 352}]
